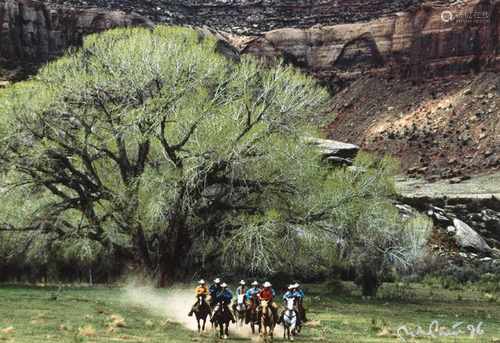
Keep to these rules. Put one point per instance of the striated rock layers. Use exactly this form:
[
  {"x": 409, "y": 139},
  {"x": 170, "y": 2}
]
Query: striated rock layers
[
  {"x": 425, "y": 40},
  {"x": 429, "y": 40},
  {"x": 254, "y": 16},
  {"x": 31, "y": 32}
]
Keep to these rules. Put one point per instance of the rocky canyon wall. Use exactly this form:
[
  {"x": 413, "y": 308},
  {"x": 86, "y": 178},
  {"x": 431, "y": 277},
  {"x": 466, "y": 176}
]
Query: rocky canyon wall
[
  {"x": 31, "y": 32},
  {"x": 427, "y": 41},
  {"x": 254, "y": 16},
  {"x": 334, "y": 40}
]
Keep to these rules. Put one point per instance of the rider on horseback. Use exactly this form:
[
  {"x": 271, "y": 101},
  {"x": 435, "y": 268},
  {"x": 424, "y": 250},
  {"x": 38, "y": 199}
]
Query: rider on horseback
[
  {"x": 253, "y": 293},
  {"x": 241, "y": 290},
  {"x": 267, "y": 294},
  {"x": 201, "y": 292},
  {"x": 213, "y": 290},
  {"x": 288, "y": 295},
  {"x": 224, "y": 297}
]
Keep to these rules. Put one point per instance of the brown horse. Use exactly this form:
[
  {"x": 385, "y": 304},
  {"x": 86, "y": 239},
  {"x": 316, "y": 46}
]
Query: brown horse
[
  {"x": 251, "y": 315},
  {"x": 201, "y": 312},
  {"x": 221, "y": 318},
  {"x": 267, "y": 320}
]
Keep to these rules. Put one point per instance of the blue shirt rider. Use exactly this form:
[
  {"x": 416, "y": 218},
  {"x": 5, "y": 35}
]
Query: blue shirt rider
[
  {"x": 253, "y": 292},
  {"x": 289, "y": 294},
  {"x": 214, "y": 289},
  {"x": 224, "y": 295},
  {"x": 242, "y": 288}
]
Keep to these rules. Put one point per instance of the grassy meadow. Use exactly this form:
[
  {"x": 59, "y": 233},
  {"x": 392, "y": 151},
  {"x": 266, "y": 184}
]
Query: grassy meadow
[{"x": 336, "y": 312}]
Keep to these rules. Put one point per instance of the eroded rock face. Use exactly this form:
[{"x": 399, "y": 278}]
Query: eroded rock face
[
  {"x": 431, "y": 40},
  {"x": 253, "y": 16},
  {"x": 31, "y": 32}
]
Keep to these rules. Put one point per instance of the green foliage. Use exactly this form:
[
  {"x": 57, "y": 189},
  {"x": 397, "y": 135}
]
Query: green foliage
[
  {"x": 150, "y": 145},
  {"x": 144, "y": 139}
]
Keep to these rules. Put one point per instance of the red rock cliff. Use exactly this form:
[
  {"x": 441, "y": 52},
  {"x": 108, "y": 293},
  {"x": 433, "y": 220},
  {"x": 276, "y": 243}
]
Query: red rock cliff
[
  {"x": 431, "y": 40},
  {"x": 33, "y": 32}
]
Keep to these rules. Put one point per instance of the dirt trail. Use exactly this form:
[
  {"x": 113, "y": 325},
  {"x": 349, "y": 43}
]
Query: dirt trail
[{"x": 176, "y": 304}]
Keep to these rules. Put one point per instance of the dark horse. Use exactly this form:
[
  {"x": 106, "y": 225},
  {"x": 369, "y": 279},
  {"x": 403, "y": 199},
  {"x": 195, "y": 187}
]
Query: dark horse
[
  {"x": 251, "y": 315},
  {"x": 201, "y": 312},
  {"x": 221, "y": 318}
]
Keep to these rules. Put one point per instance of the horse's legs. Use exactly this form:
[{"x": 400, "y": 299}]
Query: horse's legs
[{"x": 199, "y": 326}]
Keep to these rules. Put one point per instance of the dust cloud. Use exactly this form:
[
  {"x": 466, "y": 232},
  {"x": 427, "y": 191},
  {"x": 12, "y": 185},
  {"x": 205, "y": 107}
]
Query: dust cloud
[{"x": 175, "y": 303}]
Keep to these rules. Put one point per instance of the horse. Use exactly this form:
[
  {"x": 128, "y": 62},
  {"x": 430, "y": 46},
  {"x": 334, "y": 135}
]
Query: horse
[
  {"x": 289, "y": 319},
  {"x": 201, "y": 312},
  {"x": 301, "y": 313},
  {"x": 221, "y": 318},
  {"x": 251, "y": 313},
  {"x": 267, "y": 320},
  {"x": 240, "y": 309}
]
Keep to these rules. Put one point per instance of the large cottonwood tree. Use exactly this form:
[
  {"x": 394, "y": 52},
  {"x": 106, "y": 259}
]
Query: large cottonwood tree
[
  {"x": 148, "y": 139},
  {"x": 152, "y": 145}
]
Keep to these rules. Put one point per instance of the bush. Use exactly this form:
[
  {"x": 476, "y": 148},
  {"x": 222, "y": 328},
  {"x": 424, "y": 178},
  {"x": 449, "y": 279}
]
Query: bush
[{"x": 397, "y": 291}]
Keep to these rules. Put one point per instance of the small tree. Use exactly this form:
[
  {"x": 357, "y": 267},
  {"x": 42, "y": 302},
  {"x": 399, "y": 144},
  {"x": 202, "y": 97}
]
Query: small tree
[
  {"x": 364, "y": 228},
  {"x": 343, "y": 216}
]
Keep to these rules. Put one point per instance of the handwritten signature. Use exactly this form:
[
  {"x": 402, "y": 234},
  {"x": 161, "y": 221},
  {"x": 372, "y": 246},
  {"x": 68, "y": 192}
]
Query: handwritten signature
[{"x": 435, "y": 330}]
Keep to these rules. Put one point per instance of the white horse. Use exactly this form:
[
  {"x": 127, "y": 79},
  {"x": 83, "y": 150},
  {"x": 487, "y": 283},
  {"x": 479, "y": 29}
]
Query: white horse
[
  {"x": 289, "y": 319},
  {"x": 240, "y": 309}
]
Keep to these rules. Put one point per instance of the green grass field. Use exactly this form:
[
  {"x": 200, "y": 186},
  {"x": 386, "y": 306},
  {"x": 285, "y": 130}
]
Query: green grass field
[{"x": 106, "y": 315}]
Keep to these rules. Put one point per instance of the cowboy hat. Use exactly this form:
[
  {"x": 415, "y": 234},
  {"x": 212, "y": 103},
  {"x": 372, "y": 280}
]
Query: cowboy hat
[
  {"x": 267, "y": 284},
  {"x": 224, "y": 285},
  {"x": 217, "y": 280},
  {"x": 296, "y": 285},
  {"x": 242, "y": 282},
  {"x": 201, "y": 282},
  {"x": 255, "y": 283},
  {"x": 290, "y": 287}
]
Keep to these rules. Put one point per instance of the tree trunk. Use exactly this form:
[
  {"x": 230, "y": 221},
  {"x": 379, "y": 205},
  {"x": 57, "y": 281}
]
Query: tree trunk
[
  {"x": 142, "y": 251},
  {"x": 369, "y": 281},
  {"x": 173, "y": 253}
]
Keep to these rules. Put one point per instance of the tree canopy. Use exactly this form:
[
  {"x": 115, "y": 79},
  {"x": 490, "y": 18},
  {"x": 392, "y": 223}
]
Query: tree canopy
[{"x": 151, "y": 144}]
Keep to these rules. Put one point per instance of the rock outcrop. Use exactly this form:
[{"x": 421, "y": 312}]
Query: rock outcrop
[
  {"x": 468, "y": 213},
  {"x": 31, "y": 32},
  {"x": 335, "y": 152},
  {"x": 430, "y": 40}
]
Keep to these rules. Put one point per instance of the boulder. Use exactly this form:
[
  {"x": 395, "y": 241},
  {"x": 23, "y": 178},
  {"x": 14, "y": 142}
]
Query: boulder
[
  {"x": 467, "y": 238},
  {"x": 330, "y": 148}
]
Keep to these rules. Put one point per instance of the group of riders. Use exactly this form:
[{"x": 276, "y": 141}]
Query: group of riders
[{"x": 249, "y": 298}]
